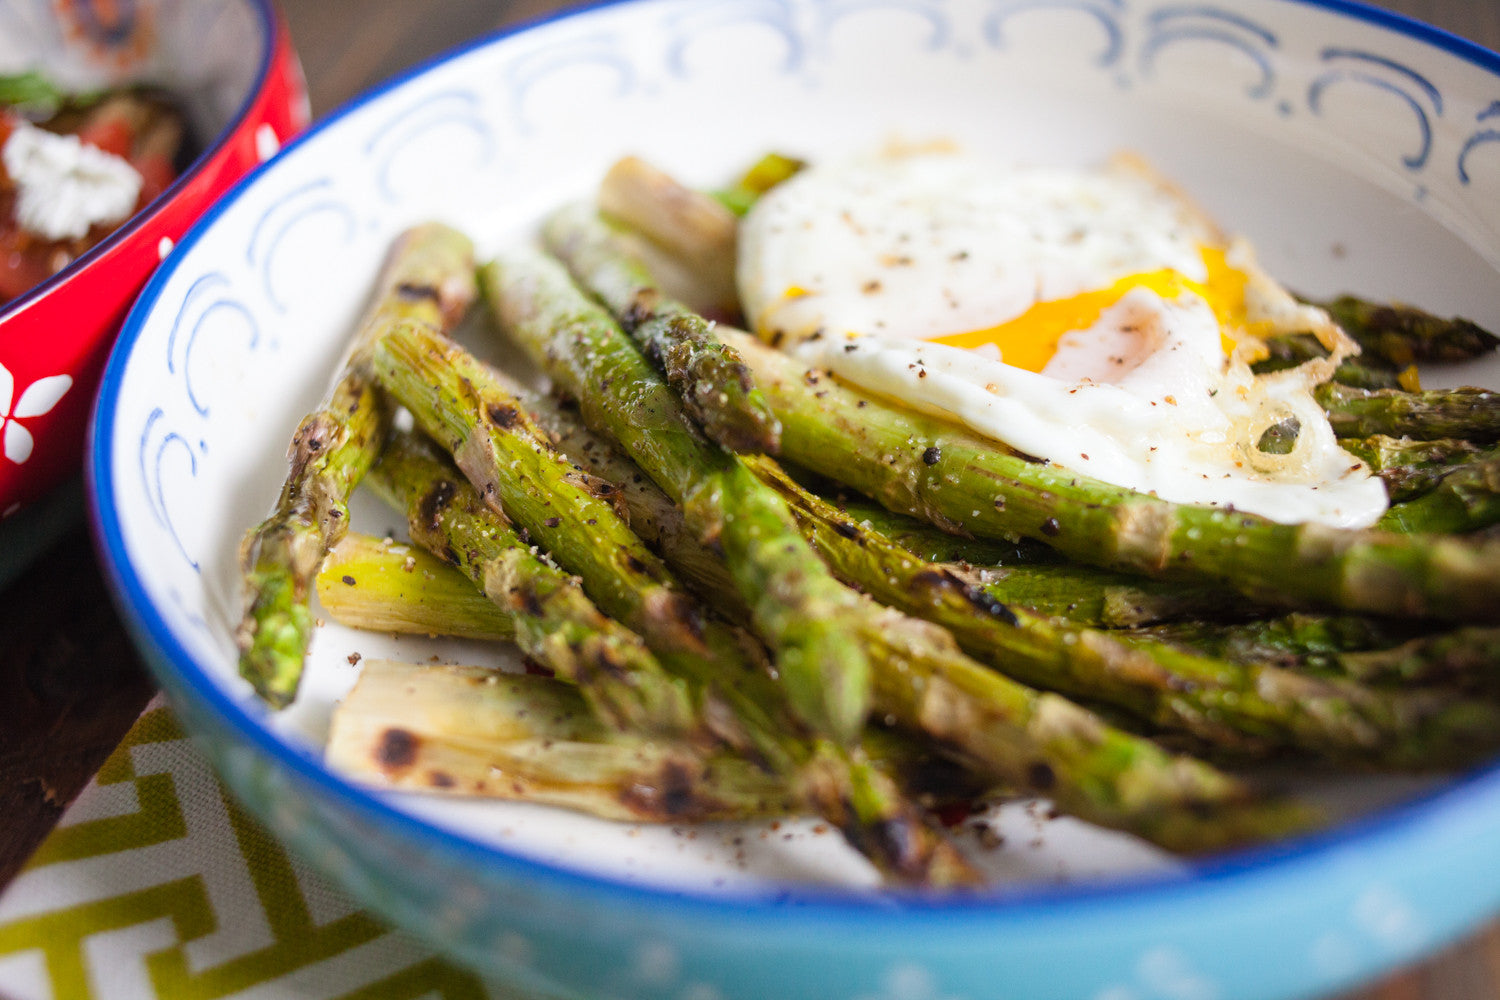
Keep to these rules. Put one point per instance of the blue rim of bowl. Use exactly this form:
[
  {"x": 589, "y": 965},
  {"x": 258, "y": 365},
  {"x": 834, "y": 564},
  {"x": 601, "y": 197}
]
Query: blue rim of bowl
[
  {"x": 270, "y": 22},
  {"x": 1391, "y": 831}
]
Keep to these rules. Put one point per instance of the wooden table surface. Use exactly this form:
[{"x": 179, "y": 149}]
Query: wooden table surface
[{"x": 70, "y": 682}]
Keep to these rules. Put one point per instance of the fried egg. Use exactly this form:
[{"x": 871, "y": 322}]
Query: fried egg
[{"x": 1093, "y": 318}]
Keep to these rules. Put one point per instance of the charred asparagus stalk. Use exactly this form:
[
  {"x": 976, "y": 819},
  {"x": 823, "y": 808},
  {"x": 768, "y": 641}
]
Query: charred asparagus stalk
[
  {"x": 1300, "y": 639},
  {"x": 1466, "y": 499},
  {"x": 1468, "y": 413},
  {"x": 1087, "y": 595},
  {"x": 1371, "y": 651},
  {"x": 711, "y": 379},
  {"x": 1034, "y": 580},
  {"x": 552, "y": 620},
  {"x": 1410, "y": 468},
  {"x": 1402, "y": 335},
  {"x": 798, "y": 608},
  {"x": 566, "y": 511},
  {"x": 927, "y": 542},
  {"x": 1467, "y": 657},
  {"x": 428, "y": 278},
  {"x": 1227, "y": 703},
  {"x": 1045, "y": 744},
  {"x": 922, "y": 466}
]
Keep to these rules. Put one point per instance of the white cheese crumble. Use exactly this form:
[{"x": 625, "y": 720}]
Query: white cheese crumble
[{"x": 63, "y": 186}]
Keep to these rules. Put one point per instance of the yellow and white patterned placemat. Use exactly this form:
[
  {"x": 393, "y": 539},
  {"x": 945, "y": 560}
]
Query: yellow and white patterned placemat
[{"x": 157, "y": 886}]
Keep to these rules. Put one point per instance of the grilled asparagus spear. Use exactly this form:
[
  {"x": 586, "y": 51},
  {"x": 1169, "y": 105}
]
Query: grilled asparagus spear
[
  {"x": 798, "y": 608},
  {"x": 930, "y": 543},
  {"x": 428, "y": 278},
  {"x": 1410, "y": 468},
  {"x": 551, "y": 618},
  {"x": 1467, "y": 498},
  {"x": 1468, "y": 413},
  {"x": 1227, "y": 703},
  {"x": 1466, "y": 657},
  {"x": 568, "y": 512},
  {"x": 923, "y": 466},
  {"x": 711, "y": 379},
  {"x": 1402, "y": 335},
  {"x": 1027, "y": 576},
  {"x": 1300, "y": 639}
]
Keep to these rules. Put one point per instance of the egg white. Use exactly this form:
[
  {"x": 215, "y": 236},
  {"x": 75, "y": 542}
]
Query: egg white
[{"x": 855, "y": 267}]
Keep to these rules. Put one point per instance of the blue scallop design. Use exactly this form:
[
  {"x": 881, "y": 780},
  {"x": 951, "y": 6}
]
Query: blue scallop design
[
  {"x": 1353, "y": 65},
  {"x": 1173, "y": 25},
  {"x": 833, "y": 11},
  {"x": 283, "y": 215},
  {"x": 773, "y": 14},
  {"x": 1481, "y": 138},
  {"x": 1106, "y": 12},
  {"x": 403, "y": 131},
  {"x": 531, "y": 69},
  {"x": 229, "y": 305},
  {"x": 154, "y": 444},
  {"x": 199, "y": 289}
]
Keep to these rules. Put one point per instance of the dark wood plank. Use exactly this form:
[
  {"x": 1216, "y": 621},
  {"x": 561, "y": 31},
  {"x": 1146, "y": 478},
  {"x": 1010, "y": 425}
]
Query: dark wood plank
[{"x": 70, "y": 687}]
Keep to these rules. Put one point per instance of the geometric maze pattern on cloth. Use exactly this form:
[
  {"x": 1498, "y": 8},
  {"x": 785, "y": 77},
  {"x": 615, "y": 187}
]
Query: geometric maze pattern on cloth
[{"x": 157, "y": 886}]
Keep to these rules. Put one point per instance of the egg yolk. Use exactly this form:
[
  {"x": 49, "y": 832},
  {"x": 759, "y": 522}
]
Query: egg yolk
[{"x": 1031, "y": 339}]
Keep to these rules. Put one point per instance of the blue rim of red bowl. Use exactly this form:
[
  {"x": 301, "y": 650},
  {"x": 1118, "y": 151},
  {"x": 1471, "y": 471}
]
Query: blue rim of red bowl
[
  {"x": 270, "y": 21},
  {"x": 1392, "y": 830}
]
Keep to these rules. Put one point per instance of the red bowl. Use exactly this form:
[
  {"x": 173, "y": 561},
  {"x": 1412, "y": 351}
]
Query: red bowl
[{"x": 55, "y": 339}]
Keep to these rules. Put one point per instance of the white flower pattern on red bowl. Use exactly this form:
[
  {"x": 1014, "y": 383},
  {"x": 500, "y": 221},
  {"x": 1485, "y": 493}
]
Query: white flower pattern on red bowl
[{"x": 36, "y": 400}]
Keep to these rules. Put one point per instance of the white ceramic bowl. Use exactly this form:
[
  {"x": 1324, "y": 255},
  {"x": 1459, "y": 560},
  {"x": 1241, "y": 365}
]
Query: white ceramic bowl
[{"x": 1357, "y": 151}]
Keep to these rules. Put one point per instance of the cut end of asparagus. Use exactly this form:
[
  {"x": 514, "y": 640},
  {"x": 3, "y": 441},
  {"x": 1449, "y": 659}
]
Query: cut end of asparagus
[
  {"x": 688, "y": 237},
  {"x": 385, "y": 586}
]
